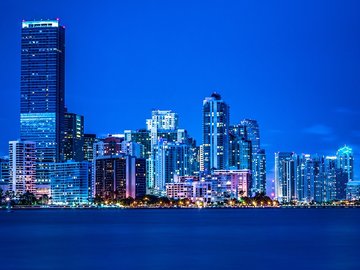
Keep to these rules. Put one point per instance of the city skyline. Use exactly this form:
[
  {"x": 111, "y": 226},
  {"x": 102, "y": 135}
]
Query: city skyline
[
  {"x": 318, "y": 135},
  {"x": 179, "y": 132}
]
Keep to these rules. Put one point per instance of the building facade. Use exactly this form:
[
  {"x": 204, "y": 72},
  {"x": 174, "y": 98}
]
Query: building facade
[
  {"x": 120, "y": 177},
  {"x": 140, "y": 136},
  {"x": 171, "y": 159},
  {"x": 345, "y": 162},
  {"x": 285, "y": 176},
  {"x": 108, "y": 146},
  {"x": 191, "y": 188},
  {"x": 73, "y": 141},
  {"x": 251, "y": 131},
  {"x": 331, "y": 177},
  {"x": 88, "y": 146},
  {"x": 4, "y": 175},
  {"x": 232, "y": 184},
  {"x": 70, "y": 183},
  {"x": 132, "y": 149},
  {"x": 259, "y": 172},
  {"x": 353, "y": 191},
  {"x": 22, "y": 166}
]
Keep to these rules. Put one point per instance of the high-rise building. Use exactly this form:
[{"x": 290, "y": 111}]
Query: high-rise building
[
  {"x": 88, "y": 146},
  {"x": 234, "y": 149},
  {"x": 136, "y": 182},
  {"x": 330, "y": 174},
  {"x": 22, "y": 166},
  {"x": 320, "y": 187},
  {"x": 312, "y": 182},
  {"x": 201, "y": 158},
  {"x": 73, "y": 137},
  {"x": 111, "y": 145},
  {"x": 140, "y": 136},
  {"x": 119, "y": 177},
  {"x": 345, "y": 162},
  {"x": 216, "y": 115},
  {"x": 305, "y": 178},
  {"x": 171, "y": 159},
  {"x": 42, "y": 93},
  {"x": 315, "y": 178},
  {"x": 341, "y": 182},
  {"x": 252, "y": 132},
  {"x": 70, "y": 182},
  {"x": 167, "y": 139},
  {"x": 353, "y": 190},
  {"x": 162, "y": 120},
  {"x": 240, "y": 148},
  {"x": 285, "y": 176},
  {"x": 4, "y": 175},
  {"x": 132, "y": 149},
  {"x": 194, "y": 157},
  {"x": 259, "y": 172},
  {"x": 344, "y": 170},
  {"x": 245, "y": 154}
]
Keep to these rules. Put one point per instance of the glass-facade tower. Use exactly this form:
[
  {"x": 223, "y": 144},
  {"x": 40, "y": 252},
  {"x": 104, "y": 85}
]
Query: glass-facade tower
[
  {"x": 216, "y": 115},
  {"x": 42, "y": 91},
  {"x": 345, "y": 162}
]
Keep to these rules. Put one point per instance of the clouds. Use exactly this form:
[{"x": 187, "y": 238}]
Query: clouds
[
  {"x": 325, "y": 133},
  {"x": 319, "y": 129}
]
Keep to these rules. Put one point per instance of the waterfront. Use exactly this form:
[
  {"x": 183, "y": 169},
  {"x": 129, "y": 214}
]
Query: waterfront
[{"x": 180, "y": 239}]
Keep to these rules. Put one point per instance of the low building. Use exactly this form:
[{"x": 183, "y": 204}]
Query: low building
[
  {"x": 202, "y": 191},
  {"x": 70, "y": 183},
  {"x": 180, "y": 190},
  {"x": 232, "y": 184},
  {"x": 191, "y": 188},
  {"x": 220, "y": 186}
]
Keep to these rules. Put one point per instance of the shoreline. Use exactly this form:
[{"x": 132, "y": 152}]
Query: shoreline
[{"x": 14, "y": 208}]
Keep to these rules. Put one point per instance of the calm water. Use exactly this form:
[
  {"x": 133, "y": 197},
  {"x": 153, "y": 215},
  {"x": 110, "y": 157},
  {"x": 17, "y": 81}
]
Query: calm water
[{"x": 181, "y": 239}]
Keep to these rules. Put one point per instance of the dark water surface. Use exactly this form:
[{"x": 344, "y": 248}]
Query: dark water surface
[{"x": 180, "y": 239}]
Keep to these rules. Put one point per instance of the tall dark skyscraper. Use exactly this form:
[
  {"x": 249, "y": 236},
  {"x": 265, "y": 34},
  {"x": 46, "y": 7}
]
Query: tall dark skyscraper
[
  {"x": 216, "y": 115},
  {"x": 73, "y": 137},
  {"x": 88, "y": 146},
  {"x": 42, "y": 101}
]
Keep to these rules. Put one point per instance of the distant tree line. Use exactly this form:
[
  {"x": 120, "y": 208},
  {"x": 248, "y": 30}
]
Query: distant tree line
[
  {"x": 27, "y": 198},
  {"x": 260, "y": 199}
]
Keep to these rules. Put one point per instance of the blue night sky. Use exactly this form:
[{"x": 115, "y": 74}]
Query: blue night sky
[{"x": 292, "y": 65}]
